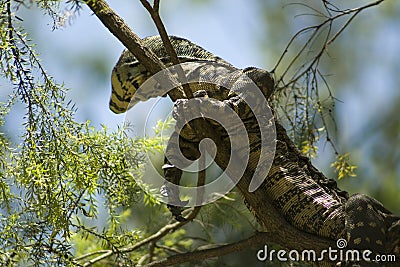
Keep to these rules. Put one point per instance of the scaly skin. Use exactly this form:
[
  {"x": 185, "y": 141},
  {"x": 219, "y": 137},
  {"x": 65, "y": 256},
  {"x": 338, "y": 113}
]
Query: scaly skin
[{"x": 307, "y": 200}]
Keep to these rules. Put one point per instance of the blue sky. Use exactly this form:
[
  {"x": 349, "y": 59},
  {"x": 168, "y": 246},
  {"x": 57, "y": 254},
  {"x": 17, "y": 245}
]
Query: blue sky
[
  {"x": 81, "y": 55},
  {"x": 65, "y": 50}
]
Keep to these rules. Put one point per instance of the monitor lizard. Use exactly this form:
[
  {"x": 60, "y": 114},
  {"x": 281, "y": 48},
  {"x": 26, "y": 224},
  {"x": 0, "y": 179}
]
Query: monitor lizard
[{"x": 305, "y": 197}]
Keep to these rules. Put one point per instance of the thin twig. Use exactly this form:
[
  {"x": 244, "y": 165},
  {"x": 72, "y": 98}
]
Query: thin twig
[
  {"x": 313, "y": 66},
  {"x": 105, "y": 255},
  {"x": 156, "y": 5},
  {"x": 316, "y": 28},
  {"x": 142, "y": 260},
  {"x": 169, "y": 228},
  {"x": 170, "y": 249},
  {"x": 155, "y": 15},
  {"x": 342, "y": 28},
  {"x": 257, "y": 239},
  {"x": 90, "y": 254},
  {"x": 117, "y": 26}
]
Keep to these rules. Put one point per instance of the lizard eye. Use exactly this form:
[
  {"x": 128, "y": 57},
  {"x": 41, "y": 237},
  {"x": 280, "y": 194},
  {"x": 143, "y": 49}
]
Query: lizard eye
[{"x": 200, "y": 93}]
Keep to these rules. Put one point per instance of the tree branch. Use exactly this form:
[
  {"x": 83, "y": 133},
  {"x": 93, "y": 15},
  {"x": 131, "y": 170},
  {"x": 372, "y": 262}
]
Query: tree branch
[
  {"x": 155, "y": 15},
  {"x": 169, "y": 228},
  {"x": 255, "y": 241},
  {"x": 280, "y": 232},
  {"x": 117, "y": 26}
]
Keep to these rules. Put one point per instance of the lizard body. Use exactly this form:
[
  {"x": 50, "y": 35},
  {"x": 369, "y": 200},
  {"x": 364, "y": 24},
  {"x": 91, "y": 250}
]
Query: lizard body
[{"x": 305, "y": 197}]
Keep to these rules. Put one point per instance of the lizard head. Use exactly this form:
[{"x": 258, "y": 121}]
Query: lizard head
[
  {"x": 127, "y": 76},
  {"x": 262, "y": 78}
]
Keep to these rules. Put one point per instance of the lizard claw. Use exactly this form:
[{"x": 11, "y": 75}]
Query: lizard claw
[
  {"x": 177, "y": 211},
  {"x": 179, "y": 106}
]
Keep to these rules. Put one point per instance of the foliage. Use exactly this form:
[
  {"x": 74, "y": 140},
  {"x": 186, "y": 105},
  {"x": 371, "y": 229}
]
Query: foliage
[
  {"x": 304, "y": 100},
  {"x": 343, "y": 167},
  {"x": 54, "y": 180}
]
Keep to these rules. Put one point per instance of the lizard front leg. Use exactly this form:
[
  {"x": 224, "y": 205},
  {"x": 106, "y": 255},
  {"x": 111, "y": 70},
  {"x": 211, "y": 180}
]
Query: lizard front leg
[
  {"x": 231, "y": 115},
  {"x": 185, "y": 140},
  {"x": 173, "y": 174},
  {"x": 182, "y": 149}
]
